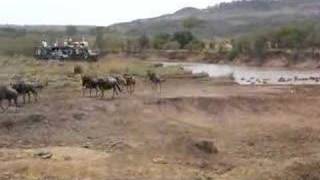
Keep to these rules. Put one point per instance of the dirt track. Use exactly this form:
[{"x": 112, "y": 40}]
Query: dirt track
[{"x": 259, "y": 132}]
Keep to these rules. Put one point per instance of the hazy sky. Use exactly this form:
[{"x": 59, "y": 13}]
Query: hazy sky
[{"x": 90, "y": 12}]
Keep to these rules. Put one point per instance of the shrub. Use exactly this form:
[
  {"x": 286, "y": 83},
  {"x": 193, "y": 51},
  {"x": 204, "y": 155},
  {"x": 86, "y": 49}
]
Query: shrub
[
  {"x": 183, "y": 38},
  {"x": 78, "y": 69},
  {"x": 195, "y": 45},
  {"x": 173, "y": 45},
  {"x": 233, "y": 54},
  {"x": 160, "y": 40}
]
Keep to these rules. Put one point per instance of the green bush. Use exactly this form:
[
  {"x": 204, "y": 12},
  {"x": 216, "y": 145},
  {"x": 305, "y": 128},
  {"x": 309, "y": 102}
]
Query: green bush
[
  {"x": 160, "y": 40},
  {"x": 233, "y": 54},
  {"x": 173, "y": 45},
  {"x": 183, "y": 38}
]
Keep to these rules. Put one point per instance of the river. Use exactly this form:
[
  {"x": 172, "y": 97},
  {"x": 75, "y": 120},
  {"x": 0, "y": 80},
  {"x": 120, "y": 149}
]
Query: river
[{"x": 254, "y": 75}]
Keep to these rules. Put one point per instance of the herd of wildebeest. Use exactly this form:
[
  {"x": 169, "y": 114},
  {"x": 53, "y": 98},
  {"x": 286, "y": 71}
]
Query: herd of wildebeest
[{"x": 116, "y": 83}]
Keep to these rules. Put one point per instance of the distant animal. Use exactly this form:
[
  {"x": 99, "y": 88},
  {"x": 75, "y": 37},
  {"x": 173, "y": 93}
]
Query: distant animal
[
  {"x": 90, "y": 83},
  {"x": 108, "y": 83},
  {"x": 155, "y": 79},
  {"x": 24, "y": 89},
  {"x": 130, "y": 83},
  {"x": 8, "y": 93}
]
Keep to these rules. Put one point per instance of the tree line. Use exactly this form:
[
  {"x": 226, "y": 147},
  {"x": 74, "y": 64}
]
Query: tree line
[{"x": 296, "y": 39}]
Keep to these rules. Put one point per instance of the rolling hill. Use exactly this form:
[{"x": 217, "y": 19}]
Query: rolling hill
[{"x": 227, "y": 19}]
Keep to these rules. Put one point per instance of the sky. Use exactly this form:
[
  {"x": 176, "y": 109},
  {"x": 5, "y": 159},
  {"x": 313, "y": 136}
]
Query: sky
[{"x": 90, "y": 12}]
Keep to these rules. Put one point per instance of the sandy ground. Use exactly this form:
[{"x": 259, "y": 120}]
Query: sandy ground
[{"x": 259, "y": 132}]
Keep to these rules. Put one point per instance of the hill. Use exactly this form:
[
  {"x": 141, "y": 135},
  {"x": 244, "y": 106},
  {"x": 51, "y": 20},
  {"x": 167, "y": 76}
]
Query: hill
[{"x": 227, "y": 19}]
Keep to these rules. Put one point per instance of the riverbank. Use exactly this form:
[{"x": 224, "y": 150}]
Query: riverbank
[{"x": 271, "y": 59}]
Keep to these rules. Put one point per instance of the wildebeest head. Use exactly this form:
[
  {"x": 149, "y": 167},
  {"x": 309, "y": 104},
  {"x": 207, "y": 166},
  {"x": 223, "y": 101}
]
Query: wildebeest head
[{"x": 88, "y": 81}]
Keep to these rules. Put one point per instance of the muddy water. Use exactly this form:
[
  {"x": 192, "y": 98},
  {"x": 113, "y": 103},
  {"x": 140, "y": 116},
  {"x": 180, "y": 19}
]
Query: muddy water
[{"x": 254, "y": 75}]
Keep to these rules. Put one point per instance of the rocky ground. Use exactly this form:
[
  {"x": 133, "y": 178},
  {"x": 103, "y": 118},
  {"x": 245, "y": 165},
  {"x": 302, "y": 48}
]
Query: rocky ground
[{"x": 197, "y": 129}]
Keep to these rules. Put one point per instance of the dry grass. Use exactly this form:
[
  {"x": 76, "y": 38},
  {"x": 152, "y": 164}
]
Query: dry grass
[{"x": 31, "y": 69}]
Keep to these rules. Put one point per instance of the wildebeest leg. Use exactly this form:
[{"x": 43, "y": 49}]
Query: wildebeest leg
[
  {"x": 9, "y": 101},
  {"x": 102, "y": 93},
  {"x": 97, "y": 91},
  {"x": 24, "y": 98},
  {"x": 128, "y": 89},
  {"x": 35, "y": 95},
  {"x": 83, "y": 91},
  {"x": 118, "y": 87},
  {"x": 16, "y": 103},
  {"x": 113, "y": 92},
  {"x": 131, "y": 89},
  {"x": 29, "y": 97},
  {"x": 2, "y": 108},
  {"x": 90, "y": 91}
]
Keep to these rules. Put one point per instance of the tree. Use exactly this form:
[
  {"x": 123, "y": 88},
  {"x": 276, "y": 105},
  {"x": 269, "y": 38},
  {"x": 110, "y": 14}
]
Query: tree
[
  {"x": 183, "y": 38},
  {"x": 71, "y": 30},
  {"x": 313, "y": 39},
  {"x": 99, "y": 37},
  {"x": 259, "y": 47},
  {"x": 172, "y": 45},
  {"x": 160, "y": 40},
  {"x": 144, "y": 42},
  {"x": 195, "y": 45}
]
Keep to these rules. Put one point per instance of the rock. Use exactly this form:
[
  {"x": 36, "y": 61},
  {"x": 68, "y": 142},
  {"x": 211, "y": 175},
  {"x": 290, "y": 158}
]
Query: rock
[
  {"x": 67, "y": 158},
  {"x": 87, "y": 146},
  {"x": 250, "y": 143},
  {"x": 37, "y": 117},
  {"x": 158, "y": 65},
  {"x": 159, "y": 160},
  {"x": 200, "y": 75},
  {"x": 44, "y": 154},
  {"x": 79, "y": 116},
  {"x": 206, "y": 146},
  {"x": 282, "y": 79}
]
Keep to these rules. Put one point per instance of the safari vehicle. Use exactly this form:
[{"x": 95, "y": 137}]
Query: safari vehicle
[{"x": 69, "y": 50}]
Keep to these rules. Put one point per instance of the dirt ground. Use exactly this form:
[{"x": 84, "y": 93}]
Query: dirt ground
[{"x": 197, "y": 129}]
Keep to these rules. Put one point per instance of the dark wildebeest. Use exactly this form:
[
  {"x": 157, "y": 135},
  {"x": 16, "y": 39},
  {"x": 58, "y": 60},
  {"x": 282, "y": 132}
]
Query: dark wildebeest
[
  {"x": 108, "y": 83},
  {"x": 155, "y": 79},
  {"x": 130, "y": 83},
  {"x": 90, "y": 83},
  {"x": 24, "y": 89},
  {"x": 8, "y": 93}
]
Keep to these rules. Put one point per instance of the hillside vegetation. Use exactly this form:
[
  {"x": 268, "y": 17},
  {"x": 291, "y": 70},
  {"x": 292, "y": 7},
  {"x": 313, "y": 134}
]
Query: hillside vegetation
[{"x": 227, "y": 19}]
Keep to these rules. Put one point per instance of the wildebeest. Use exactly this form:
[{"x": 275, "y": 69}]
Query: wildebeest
[
  {"x": 90, "y": 83},
  {"x": 108, "y": 83},
  {"x": 126, "y": 81},
  {"x": 130, "y": 83},
  {"x": 121, "y": 80},
  {"x": 155, "y": 79},
  {"x": 24, "y": 89},
  {"x": 8, "y": 93}
]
